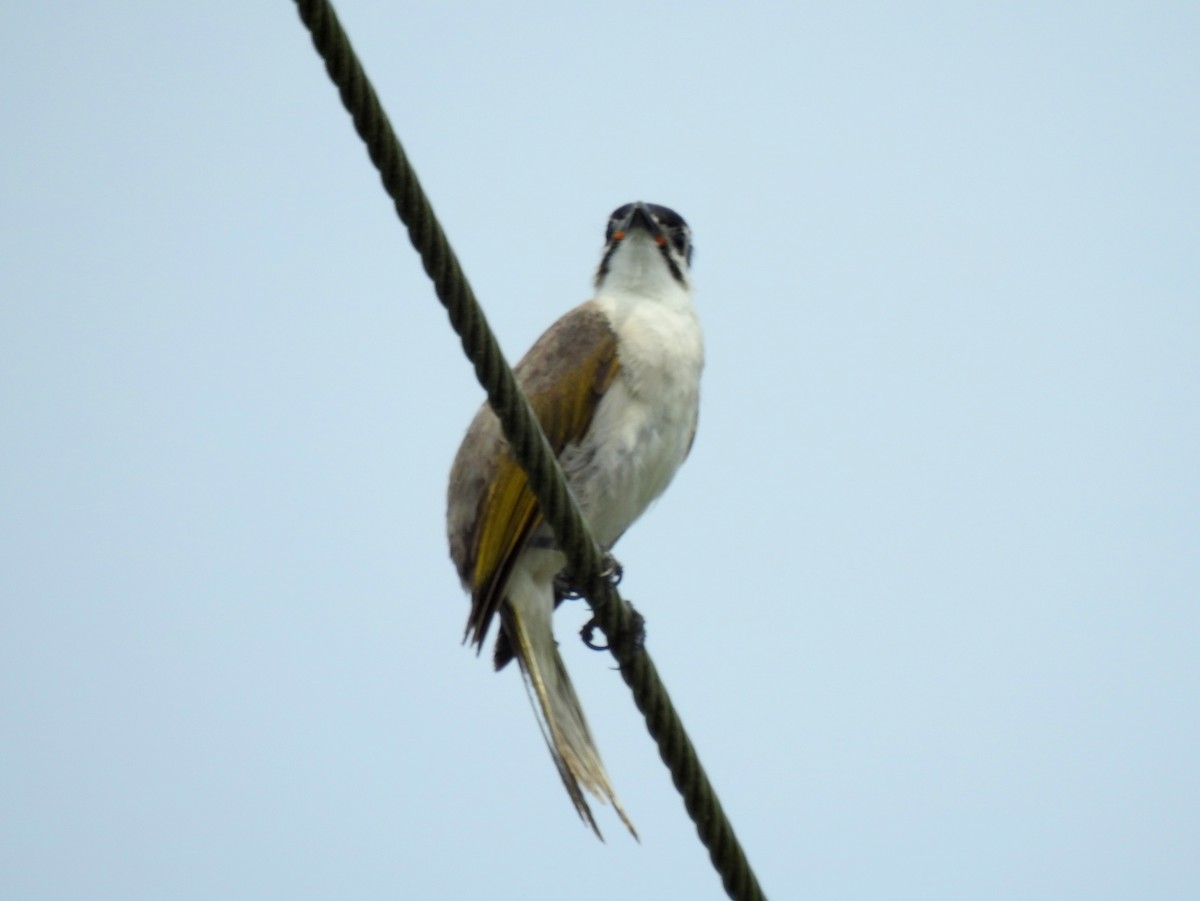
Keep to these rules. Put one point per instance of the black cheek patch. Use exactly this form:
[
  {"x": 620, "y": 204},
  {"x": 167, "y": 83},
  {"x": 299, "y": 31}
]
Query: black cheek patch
[{"x": 671, "y": 264}]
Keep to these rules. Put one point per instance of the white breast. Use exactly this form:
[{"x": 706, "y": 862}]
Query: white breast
[{"x": 644, "y": 424}]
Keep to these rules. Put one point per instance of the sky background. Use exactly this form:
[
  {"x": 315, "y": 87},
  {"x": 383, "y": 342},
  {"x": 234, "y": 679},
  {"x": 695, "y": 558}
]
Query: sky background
[{"x": 925, "y": 594}]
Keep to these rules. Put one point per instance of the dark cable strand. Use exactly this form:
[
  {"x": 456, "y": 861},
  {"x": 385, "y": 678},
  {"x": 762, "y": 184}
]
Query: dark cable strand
[{"x": 530, "y": 447}]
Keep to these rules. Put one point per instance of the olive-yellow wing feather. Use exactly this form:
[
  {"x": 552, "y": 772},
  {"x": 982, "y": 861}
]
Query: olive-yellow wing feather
[{"x": 493, "y": 514}]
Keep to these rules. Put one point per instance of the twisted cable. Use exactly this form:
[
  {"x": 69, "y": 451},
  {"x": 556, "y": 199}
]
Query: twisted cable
[{"x": 585, "y": 560}]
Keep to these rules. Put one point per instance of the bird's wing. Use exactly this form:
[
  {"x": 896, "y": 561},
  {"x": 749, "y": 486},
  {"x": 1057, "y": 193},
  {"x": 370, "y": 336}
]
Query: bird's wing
[{"x": 492, "y": 512}]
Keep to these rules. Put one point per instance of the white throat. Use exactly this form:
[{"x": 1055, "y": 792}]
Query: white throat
[{"x": 637, "y": 267}]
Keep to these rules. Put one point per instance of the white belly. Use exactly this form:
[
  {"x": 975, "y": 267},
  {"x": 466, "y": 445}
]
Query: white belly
[{"x": 644, "y": 424}]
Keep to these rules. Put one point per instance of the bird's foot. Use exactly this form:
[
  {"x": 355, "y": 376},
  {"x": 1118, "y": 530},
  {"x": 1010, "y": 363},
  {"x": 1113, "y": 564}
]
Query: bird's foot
[
  {"x": 565, "y": 588},
  {"x": 611, "y": 570},
  {"x": 633, "y": 638}
]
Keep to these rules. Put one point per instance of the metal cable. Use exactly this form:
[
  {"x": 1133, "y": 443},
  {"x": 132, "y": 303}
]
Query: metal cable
[{"x": 585, "y": 560}]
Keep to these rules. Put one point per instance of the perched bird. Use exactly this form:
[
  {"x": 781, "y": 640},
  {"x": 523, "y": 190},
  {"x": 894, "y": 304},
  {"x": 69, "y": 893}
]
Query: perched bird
[{"x": 615, "y": 384}]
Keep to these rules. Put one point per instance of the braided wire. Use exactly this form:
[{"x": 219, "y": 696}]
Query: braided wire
[{"x": 585, "y": 561}]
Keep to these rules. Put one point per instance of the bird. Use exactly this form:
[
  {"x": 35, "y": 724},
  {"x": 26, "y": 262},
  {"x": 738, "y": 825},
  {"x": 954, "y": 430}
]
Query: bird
[{"x": 615, "y": 384}]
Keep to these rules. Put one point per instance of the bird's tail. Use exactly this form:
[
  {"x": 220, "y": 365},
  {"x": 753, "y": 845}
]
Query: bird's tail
[{"x": 526, "y": 617}]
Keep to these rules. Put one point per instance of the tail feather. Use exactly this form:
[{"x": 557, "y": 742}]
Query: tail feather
[{"x": 558, "y": 710}]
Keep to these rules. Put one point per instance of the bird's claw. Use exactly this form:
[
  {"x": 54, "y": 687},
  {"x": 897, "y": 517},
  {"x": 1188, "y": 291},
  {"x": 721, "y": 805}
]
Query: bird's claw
[
  {"x": 611, "y": 570},
  {"x": 566, "y": 589},
  {"x": 634, "y": 638},
  {"x": 589, "y": 630}
]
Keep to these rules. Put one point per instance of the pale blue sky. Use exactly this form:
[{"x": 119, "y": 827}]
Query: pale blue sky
[{"x": 925, "y": 594}]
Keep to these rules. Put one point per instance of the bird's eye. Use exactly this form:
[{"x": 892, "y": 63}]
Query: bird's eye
[
  {"x": 618, "y": 215},
  {"x": 679, "y": 240}
]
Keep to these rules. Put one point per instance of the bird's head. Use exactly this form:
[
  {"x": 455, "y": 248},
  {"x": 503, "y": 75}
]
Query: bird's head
[{"x": 648, "y": 248}]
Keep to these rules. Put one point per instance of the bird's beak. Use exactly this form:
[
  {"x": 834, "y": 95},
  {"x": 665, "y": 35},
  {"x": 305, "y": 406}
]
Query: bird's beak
[{"x": 639, "y": 217}]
